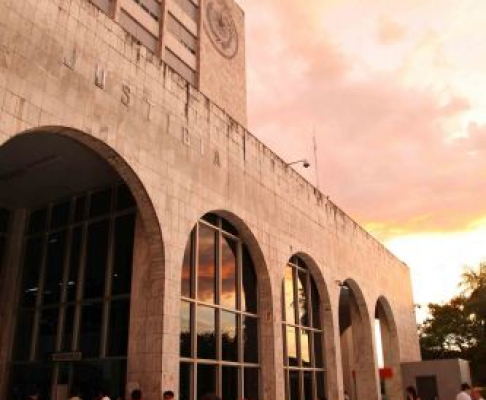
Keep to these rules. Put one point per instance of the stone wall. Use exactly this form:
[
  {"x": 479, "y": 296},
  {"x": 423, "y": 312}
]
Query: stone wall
[
  {"x": 65, "y": 64},
  {"x": 223, "y": 79}
]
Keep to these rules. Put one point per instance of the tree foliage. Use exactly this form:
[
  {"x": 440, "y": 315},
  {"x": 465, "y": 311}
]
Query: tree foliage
[{"x": 457, "y": 329}]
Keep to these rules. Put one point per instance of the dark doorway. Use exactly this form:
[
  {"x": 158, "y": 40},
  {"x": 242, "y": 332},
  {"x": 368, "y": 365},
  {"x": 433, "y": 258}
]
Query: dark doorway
[{"x": 427, "y": 387}]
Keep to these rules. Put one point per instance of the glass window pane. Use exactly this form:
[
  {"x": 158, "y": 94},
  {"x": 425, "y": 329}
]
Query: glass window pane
[
  {"x": 37, "y": 221},
  {"x": 316, "y": 317},
  {"x": 90, "y": 331},
  {"x": 249, "y": 297},
  {"x": 23, "y": 335},
  {"x": 124, "y": 198},
  {"x": 100, "y": 203},
  {"x": 289, "y": 295},
  {"x": 123, "y": 256},
  {"x": 60, "y": 214},
  {"x": 230, "y": 383},
  {"x": 227, "y": 227},
  {"x": 206, "y": 290},
  {"x": 292, "y": 346},
  {"x": 284, "y": 339},
  {"x": 305, "y": 351},
  {"x": 302, "y": 303},
  {"x": 31, "y": 270},
  {"x": 228, "y": 273},
  {"x": 80, "y": 209},
  {"x": 308, "y": 386},
  {"x": 118, "y": 328},
  {"x": 56, "y": 246},
  {"x": 74, "y": 259},
  {"x": 229, "y": 343},
  {"x": 187, "y": 264},
  {"x": 206, "y": 333},
  {"x": 321, "y": 384},
  {"x": 294, "y": 385},
  {"x": 185, "y": 339},
  {"x": 96, "y": 256},
  {"x": 47, "y": 333},
  {"x": 185, "y": 382},
  {"x": 318, "y": 350},
  {"x": 92, "y": 375},
  {"x": 67, "y": 337},
  {"x": 250, "y": 337},
  {"x": 206, "y": 379},
  {"x": 252, "y": 385},
  {"x": 213, "y": 219}
]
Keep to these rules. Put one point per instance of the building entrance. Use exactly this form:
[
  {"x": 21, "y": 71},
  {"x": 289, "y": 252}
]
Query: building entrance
[{"x": 73, "y": 310}]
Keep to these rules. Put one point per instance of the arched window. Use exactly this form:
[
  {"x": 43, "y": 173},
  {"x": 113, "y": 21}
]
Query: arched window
[
  {"x": 304, "y": 366},
  {"x": 219, "y": 350}
]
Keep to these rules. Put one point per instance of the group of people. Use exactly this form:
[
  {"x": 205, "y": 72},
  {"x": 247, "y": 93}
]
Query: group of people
[
  {"x": 466, "y": 393},
  {"x": 76, "y": 395}
]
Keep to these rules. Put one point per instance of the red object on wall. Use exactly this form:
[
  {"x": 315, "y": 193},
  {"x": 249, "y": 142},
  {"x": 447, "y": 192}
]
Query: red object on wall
[{"x": 386, "y": 373}]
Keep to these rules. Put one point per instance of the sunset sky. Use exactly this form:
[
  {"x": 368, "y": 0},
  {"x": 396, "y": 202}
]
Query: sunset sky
[{"x": 396, "y": 93}]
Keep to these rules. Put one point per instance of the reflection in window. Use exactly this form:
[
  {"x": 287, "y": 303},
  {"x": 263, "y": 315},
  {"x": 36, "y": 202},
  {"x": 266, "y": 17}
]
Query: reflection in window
[
  {"x": 206, "y": 277},
  {"x": 219, "y": 321},
  {"x": 229, "y": 345},
  {"x": 206, "y": 332},
  {"x": 304, "y": 366},
  {"x": 228, "y": 272}
]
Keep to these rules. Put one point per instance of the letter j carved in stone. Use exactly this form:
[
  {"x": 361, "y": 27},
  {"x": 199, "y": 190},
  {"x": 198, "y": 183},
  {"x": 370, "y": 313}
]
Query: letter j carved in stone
[{"x": 100, "y": 77}]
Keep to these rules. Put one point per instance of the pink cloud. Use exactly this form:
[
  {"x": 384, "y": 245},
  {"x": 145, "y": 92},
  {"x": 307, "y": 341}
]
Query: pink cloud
[
  {"x": 389, "y": 31},
  {"x": 384, "y": 153}
]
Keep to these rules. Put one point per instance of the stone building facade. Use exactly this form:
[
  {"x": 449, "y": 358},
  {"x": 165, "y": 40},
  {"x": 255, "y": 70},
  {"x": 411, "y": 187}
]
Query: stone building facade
[{"x": 107, "y": 154}]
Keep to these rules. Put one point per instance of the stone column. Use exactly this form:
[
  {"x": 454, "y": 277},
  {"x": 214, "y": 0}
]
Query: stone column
[
  {"x": 365, "y": 373},
  {"x": 146, "y": 313},
  {"x": 271, "y": 342},
  {"x": 9, "y": 293},
  {"x": 393, "y": 385}
]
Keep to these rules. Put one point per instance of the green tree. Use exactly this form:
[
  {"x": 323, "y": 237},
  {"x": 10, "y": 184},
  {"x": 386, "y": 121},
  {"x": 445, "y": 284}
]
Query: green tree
[
  {"x": 449, "y": 331},
  {"x": 474, "y": 287},
  {"x": 457, "y": 329}
]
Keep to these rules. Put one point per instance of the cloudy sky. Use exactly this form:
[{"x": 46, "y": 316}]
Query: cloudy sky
[{"x": 396, "y": 93}]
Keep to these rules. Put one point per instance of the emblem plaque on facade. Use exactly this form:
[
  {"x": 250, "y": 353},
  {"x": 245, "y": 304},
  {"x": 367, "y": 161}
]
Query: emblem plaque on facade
[{"x": 221, "y": 28}]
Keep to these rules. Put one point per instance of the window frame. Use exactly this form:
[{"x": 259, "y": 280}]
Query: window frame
[
  {"x": 194, "y": 303},
  {"x": 298, "y": 266}
]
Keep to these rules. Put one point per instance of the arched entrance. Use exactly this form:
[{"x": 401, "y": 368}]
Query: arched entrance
[
  {"x": 82, "y": 240},
  {"x": 358, "y": 358},
  {"x": 226, "y": 313},
  {"x": 388, "y": 351}
]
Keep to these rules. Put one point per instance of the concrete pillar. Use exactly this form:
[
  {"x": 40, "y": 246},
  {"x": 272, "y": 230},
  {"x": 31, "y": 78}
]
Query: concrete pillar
[
  {"x": 271, "y": 347},
  {"x": 146, "y": 311},
  {"x": 9, "y": 293},
  {"x": 365, "y": 372},
  {"x": 389, "y": 338}
]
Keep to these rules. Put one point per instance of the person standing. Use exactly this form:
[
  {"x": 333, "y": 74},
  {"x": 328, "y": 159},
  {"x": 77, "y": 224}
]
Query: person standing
[
  {"x": 464, "y": 393},
  {"x": 102, "y": 395},
  {"x": 75, "y": 394},
  {"x": 168, "y": 395},
  {"x": 476, "y": 394},
  {"x": 136, "y": 395},
  {"x": 412, "y": 393}
]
